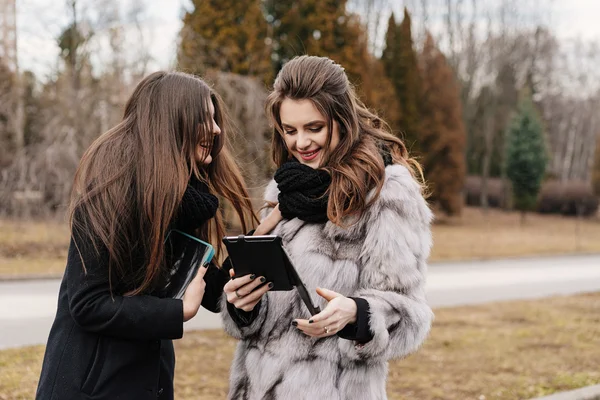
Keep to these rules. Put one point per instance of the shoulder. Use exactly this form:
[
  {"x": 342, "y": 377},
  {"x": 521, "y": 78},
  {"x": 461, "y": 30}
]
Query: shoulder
[
  {"x": 271, "y": 191},
  {"x": 402, "y": 194},
  {"x": 271, "y": 196}
]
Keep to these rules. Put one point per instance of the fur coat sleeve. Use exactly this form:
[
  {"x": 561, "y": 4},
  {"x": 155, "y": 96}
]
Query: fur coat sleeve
[{"x": 393, "y": 262}]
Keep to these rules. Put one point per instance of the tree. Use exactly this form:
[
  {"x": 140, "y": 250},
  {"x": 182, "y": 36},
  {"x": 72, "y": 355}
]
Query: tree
[
  {"x": 443, "y": 133},
  {"x": 526, "y": 157},
  {"x": 400, "y": 62},
  {"x": 228, "y": 36}
]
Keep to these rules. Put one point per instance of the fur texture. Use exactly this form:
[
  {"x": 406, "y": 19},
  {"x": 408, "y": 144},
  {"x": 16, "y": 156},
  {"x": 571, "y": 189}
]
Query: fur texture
[{"x": 381, "y": 258}]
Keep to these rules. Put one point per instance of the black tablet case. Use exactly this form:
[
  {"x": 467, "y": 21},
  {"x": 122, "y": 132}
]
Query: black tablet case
[{"x": 265, "y": 256}]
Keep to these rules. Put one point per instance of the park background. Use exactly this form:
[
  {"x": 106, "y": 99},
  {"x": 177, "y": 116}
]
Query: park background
[{"x": 498, "y": 99}]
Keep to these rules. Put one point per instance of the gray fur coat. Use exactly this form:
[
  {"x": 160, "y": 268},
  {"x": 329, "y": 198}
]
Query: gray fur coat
[{"x": 381, "y": 258}]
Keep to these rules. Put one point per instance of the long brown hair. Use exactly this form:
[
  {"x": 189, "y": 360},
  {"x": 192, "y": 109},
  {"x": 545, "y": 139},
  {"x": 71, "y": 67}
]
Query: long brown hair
[
  {"x": 130, "y": 181},
  {"x": 355, "y": 164}
]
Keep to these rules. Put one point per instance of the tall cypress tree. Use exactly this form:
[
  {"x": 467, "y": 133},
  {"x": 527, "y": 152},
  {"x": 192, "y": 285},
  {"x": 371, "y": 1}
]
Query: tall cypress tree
[
  {"x": 391, "y": 53},
  {"x": 526, "y": 157},
  {"x": 226, "y": 35},
  {"x": 443, "y": 133},
  {"x": 400, "y": 62}
]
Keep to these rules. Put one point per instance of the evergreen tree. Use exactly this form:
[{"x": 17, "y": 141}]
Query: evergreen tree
[
  {"x": 400, "y": 63},
  {"x": 443, "y": 137},
  {"x": 390, "y": 54},
  {"x": 526, "y": 157},
  {"x": 389, "y": 62},
  {"x": 226, "y": 35}
]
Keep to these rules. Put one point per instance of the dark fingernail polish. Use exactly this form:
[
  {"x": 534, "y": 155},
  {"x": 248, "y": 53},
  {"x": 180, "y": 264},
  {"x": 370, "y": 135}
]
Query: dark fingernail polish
[
  {"x": 252, "y": 276},
  {"x": 310, "y": 321},
  {"x": 263, "y": 279},
  {"x": 271, "y": 284},
  {"x": 294, "y": 323}
]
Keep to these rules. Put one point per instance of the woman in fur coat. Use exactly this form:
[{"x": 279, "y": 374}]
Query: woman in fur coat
[{"x": 347, "y": 202}]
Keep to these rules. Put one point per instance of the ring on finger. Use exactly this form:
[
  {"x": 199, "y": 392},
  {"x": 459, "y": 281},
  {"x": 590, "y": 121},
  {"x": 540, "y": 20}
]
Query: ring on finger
[
  {"x": 326, "y": 330},
  {"x": 238, "y": 295}
]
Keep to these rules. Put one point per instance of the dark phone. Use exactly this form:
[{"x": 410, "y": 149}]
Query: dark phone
[{"x": 266, "y": 256}]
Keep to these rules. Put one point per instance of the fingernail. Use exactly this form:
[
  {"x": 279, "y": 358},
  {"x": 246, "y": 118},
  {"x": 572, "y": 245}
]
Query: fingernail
[
  {"x": 271, "y": 284},
  {"x": 252, "y": 277},
  {"x": 310, "y": 321},
  {"x": 294, "y": 323},
  {"x": 263, "y": 279}
]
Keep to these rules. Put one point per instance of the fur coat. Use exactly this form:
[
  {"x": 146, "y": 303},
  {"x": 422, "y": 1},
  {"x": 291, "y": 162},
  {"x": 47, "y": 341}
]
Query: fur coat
[{"x": 381, "y": 258}]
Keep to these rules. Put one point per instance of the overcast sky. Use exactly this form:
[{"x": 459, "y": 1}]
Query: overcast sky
[{"x": 39, "y": 22}]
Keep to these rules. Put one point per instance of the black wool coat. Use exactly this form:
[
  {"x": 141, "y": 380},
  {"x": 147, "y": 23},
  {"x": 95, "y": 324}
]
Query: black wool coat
[{"x": 111, "y": 347}]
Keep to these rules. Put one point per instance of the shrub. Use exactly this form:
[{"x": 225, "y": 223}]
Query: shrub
[
  {"x": 567, "y": 198},
  {"x": 498, "y": 193}
]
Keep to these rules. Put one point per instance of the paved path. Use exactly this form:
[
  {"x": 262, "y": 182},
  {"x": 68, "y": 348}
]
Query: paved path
[{"x": 27, "y": 307}]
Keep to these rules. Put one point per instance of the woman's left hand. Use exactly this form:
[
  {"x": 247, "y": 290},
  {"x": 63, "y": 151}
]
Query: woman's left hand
[{"x": 340, "y": 311}]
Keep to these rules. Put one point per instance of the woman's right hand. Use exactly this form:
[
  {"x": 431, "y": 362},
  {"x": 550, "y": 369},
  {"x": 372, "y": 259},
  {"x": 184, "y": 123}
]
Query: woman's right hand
[{"x": 240, "y": 292}]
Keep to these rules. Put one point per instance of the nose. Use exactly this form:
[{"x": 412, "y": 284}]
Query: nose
[
  {"x": 216, "y": 130},
  {"x": 302, "y": 140}
]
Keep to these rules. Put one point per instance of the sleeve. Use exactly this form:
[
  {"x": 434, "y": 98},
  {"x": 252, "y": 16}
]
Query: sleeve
[
  {"x": 215, "y": 279},
  {"x": 358, "y": 331},
  {"x": 95, "y": 309},
  {"x": 240, "y": 324},
  {"x": 392, "y": 279}
]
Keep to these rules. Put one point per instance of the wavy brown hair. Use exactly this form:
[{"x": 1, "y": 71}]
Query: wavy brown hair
[
  {"x": 355, "y": 164},
  {"x": 131, "y": 180}
]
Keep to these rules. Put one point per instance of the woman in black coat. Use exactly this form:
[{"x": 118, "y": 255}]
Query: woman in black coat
[{"x": 153, "y": 172}]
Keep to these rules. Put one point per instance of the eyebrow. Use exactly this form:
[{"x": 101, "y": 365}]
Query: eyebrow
[{"x": 311, "y": 123}]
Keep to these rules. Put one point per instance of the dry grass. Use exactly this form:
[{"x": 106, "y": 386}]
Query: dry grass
[
  {"x": 41, "y": 247},
  {"x": 33, "y": 247},
  {"x": 512, "y": 350},
  {"x": 500, "y": 234}
]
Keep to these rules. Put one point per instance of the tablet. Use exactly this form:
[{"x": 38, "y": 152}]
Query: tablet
[
  {"x": 185, "y": 254},
  {"x": 266, "y": 256}
]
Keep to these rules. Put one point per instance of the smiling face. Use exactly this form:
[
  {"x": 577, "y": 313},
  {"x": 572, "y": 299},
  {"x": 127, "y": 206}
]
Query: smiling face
[
  {"x": 206, "y": 144},
  {"x": 305, "y": 132}
]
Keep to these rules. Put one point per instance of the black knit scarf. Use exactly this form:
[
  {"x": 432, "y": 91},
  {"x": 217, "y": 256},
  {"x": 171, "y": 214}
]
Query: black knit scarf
[
  {"x": 197, "y": 205},
  {"x": 303, "y": 190}
]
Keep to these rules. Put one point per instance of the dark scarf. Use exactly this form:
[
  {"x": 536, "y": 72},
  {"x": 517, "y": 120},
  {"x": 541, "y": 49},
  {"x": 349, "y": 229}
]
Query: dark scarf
[
  {"x": 197, "y": 206},
  {"x": 303, "y": 190}
]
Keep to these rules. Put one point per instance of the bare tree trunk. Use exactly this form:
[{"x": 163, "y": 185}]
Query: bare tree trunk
[{"x": 487, "y": 154}]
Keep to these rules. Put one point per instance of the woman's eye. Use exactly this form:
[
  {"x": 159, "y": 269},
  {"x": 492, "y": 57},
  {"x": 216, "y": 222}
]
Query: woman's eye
[
  {"x": 290, "y": 132},
  {"x": 316, "y": 130}
]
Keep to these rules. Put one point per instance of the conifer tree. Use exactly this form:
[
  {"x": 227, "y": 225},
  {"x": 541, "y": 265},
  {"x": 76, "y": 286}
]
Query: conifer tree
[
  {"x": 526, "y": 157},
  {"x": 443, "y": 133},
  {"x": 228, "y": 36},
  {"x": 400, "y": 63}
]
